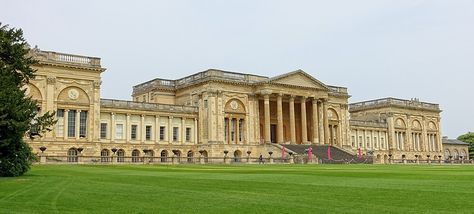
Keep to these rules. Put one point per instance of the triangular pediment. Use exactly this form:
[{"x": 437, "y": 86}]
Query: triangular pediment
[{"x": 298, "y": 78}]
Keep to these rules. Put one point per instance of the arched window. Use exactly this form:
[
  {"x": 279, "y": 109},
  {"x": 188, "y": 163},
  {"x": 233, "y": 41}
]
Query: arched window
[
  {"x": 164, "y": 156},
  {"x": 120, "y": 155},
  {"x": 205, "y": 155},
  {"x": 104, "y": 155},
  {"x": 190, "y": 156},
  {"x": 456, "y": 154},
  {"x": 447, "y": 154},
  {"x": 135, "y": 156},
  {"x": 72, "y": 155}
]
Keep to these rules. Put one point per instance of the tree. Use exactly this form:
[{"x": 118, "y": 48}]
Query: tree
[
  {"x": 468, "y": 138},
  {"x": 19, "y": 115}
]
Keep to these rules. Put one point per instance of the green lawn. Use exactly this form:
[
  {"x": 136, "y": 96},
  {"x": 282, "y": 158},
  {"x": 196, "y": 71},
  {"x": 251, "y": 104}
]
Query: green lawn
[{"x": 240, "y": 189}]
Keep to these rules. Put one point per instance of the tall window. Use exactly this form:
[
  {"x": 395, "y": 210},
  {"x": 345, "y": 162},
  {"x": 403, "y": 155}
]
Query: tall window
[
  {"x": 353, "y": 141},
  {"x": 118, "y": 131},
  {"x": 162, "y": 133},
  {"x": 175, "y": 133},
  {"x": 134, "y": 132},
  {"x": 225, "y": 128},
  {"x": 241, "y": 130},
  {"x": 82, "y": 124},
  {"x": 60, "y": 123},
  {"x": 188, "y": 134},
  {"x": 71, "y": 123},
  {"x": 103, "y": 130},
  {"x": 148, "y": 132},
  {"x": 232, "y": 130}
]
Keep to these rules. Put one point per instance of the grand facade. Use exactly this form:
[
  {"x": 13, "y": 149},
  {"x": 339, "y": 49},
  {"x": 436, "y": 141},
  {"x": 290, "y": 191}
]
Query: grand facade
[{"x": 216, "y": 112}]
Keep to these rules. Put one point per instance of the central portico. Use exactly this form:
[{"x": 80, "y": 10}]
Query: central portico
[{"x": 246, "y": 109}]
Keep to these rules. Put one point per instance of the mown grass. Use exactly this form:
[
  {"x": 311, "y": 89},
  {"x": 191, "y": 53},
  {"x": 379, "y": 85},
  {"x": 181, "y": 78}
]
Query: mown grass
[{"x": 240, "y": 189}]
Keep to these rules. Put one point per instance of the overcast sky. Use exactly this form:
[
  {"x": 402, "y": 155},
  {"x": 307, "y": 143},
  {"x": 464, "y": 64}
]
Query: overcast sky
[{"x": 399, "y": 48}]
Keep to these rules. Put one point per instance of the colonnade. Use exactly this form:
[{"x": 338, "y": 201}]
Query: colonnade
[{"x": 319, "y": 121}]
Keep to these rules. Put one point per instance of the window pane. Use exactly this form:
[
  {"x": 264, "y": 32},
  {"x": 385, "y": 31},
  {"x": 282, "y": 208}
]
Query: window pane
[
  {"x": 162, "y": 132},
  {"x": 148, "y": 132},
  {"x": 103, "y": 130},
  {"x": 134, "y": 132},
  {"x": 119, "y": 131},
  {"x": 83, "y": 124},
  {"x": 71, "y": 127},
  {"x": 60, "y": 123},
  {"x": 175, "y": 133},
  {"x": 188, "y": 134}
]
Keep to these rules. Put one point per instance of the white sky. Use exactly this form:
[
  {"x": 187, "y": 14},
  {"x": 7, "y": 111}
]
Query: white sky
[{"x": 378, "y": 48}]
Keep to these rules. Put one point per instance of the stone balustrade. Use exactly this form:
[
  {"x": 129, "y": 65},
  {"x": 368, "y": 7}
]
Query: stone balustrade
[
  {"x": 368, "y": 124},
  {"x": 109, "y": 103},
  {"x": 386, "y": 102},
  {"x": 55, "y": 57}
]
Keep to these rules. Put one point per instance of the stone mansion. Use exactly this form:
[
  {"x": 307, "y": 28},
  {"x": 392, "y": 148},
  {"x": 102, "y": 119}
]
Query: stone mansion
[{"x": 214, "y": 111}]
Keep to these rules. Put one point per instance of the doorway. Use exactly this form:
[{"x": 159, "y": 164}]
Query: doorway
[{"x": 273, "y": 129}]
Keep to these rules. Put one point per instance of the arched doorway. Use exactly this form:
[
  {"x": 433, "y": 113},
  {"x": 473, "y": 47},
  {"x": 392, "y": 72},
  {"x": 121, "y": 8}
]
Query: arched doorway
[
  {"x": 135, "y": 156},
  {"x": 120, "y": 155},
  {"x": 379, "y": 158},
  {"x": 164, "y": 156},
  {"x": 385, "y": 159},
  {"x": 72, "y": 155},
  {"x": 205, "y": 156},
  {"x": 237, "y": 155},
  {"x": 190, "y": 156},
  {"x": 104, "y": 155}
]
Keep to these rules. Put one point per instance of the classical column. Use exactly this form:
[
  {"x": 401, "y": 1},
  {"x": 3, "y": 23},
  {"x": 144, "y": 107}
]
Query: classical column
[
  {"x": 315, "y": 121},
  {"x": 195, "y": 131},
  {"x": 326, "y": 121},
  {"x": 142, "y": 128},
  {"x": 66, "y": 120},
  {"x": 170, "y": 129},
  {"x": 409, "y": 146},
  {"x": 304, "y": 128},
  {"x": 78, "y": 120},
  {"x": 321, "y": 122},
  {"x": 267, "y": 117},
  {"x": 183, "y": 130},
  {"x": 279, "y": 119},
  {"x": 112, "y": 127},
  {"x": 292, "y": 120}
]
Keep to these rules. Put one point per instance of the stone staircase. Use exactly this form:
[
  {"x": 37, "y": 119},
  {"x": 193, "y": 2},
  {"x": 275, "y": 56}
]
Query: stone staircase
[{"x": 338, "y": 155}]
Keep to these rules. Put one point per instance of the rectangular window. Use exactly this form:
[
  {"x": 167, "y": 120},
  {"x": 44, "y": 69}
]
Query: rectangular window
[
  {"x": 118, "y": 131},
  {"x": 225, "y": 128},
  {"x": 360, "y": 141},
  {"x": 162, "y": 133},
  {"x": 175, "y": 133},
  {"x": 60, "y": 123},
  {"x": 133, "y": 134},
  {"x": 82, "y": 124},
  {"x": 148, "y": 132},
  {"x": 188, "y": 134},
  {"x": 241, "y": 130},
  {"x": 71, "y": 123},
  {"x": 103, "y": 130},
  {"x": 353, "y": 141}
]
